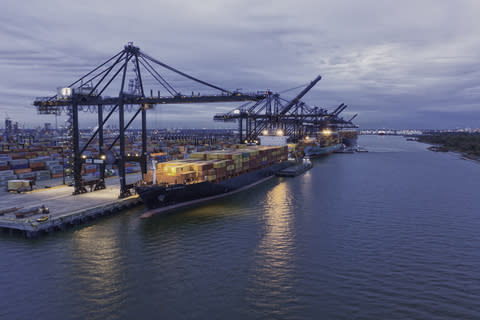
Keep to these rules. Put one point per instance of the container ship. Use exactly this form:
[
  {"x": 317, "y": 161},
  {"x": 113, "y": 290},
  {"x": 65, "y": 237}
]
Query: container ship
[
  {"x": 210, "y": 174},
  {"x": 323, "y": 143},
  {"x": 348, "y": 136}
]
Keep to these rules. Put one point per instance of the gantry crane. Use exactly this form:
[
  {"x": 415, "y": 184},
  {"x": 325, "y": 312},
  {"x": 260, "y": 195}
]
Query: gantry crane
[
  {"x": 90, "y": 91},
  {"x": 294, "y": 118}
]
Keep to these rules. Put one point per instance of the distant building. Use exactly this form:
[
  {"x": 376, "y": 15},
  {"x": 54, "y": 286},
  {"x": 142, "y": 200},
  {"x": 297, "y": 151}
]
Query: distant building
[
  {"x": 8, "y": 125},
  {"x": 8, "y": 129}
]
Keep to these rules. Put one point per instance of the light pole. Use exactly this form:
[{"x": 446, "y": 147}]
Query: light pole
[{"x": 63, "y": 165}]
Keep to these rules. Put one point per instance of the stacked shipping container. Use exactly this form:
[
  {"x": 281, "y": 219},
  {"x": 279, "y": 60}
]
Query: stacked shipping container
[
  {"x": 216, "y": 166},
  {"x": 44, "y": 160}
]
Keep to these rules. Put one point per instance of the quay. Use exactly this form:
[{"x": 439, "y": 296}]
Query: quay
[{"x": 65, "y": 210}]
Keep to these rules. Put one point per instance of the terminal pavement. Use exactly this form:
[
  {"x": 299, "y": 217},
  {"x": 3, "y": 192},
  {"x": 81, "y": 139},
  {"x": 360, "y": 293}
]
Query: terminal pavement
[{"x": 59, "y": 200}]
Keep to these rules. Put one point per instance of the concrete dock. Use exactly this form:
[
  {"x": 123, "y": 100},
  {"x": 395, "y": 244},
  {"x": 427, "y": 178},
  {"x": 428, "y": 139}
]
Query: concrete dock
[{"x": 65, "y": 209}]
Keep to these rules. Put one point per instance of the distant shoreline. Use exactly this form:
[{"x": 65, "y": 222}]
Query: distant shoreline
[{"x": 466, "y": 146}]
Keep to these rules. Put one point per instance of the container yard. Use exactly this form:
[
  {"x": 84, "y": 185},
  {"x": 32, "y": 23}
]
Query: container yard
[{"x": 44, "y": 158}]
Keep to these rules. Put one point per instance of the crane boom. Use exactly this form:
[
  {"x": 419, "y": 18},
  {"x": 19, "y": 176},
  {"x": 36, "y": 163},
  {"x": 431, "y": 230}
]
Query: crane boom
[
  {"x": 341, "y": 110},
  {"x": 300, "y": 95},
  {"x": 356, "y": 114},
  {"x": 338, "y": 108}
]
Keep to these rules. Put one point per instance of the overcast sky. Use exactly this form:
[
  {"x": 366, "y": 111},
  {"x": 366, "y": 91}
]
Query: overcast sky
[{"x": 398, "y": 64}]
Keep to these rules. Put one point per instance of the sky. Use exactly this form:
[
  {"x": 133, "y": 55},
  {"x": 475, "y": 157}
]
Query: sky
[{"x": 398, "y": 64}]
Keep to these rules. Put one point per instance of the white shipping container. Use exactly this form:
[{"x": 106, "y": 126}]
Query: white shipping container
[
  {"x": 273, "y": 140},
  {"x": 6, "y": 173}
]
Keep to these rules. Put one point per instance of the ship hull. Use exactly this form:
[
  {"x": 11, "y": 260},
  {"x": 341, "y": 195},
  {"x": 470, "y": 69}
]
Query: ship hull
[
  {"x": 158, "y": 196},
  {"x": 317, "y": 151},
  {"x": 349, "y": 142}
]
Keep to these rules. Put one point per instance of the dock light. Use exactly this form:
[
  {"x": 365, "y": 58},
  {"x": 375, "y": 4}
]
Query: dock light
[
  {"x": 307, "y": 137},
  {"x": 65, "y": 92},
  {"x": 265, "y": 132},
  {"x": 279, "y": 132},
  {"x": 103, "y": 157},
  {"x": 84, "y": 156},
  {"x": 326, "y": 132}
]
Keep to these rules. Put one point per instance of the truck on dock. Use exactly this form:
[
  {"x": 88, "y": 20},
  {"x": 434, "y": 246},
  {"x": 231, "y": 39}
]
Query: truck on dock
[{"x": 19, "y": 185}]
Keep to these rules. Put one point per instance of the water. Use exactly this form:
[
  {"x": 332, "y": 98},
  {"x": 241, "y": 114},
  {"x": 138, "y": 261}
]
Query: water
[{"x": 389, "y": 234}]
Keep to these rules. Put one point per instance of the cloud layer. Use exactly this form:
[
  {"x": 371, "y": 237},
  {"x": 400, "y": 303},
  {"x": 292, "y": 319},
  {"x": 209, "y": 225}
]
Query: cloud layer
[{"x": 397, "y": 64}]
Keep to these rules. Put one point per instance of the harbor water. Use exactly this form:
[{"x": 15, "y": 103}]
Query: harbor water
[{"x": 388, "y": 234}]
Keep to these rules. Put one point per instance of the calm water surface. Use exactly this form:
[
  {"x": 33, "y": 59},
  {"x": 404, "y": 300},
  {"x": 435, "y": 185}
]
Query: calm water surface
[{"x": 389, "y": 234}]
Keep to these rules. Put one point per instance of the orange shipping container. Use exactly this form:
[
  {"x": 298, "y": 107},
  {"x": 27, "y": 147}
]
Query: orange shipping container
[
  {"x": 17, "y": 171},
  {"x": 37, "y": 165}
]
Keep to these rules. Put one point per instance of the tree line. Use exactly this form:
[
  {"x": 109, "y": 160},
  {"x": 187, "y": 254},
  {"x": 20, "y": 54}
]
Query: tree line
[{"x": 460, "y": 142}]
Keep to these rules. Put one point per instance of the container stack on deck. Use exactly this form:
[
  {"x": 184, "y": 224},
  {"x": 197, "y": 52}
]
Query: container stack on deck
[{"x": 216, "y": 166}]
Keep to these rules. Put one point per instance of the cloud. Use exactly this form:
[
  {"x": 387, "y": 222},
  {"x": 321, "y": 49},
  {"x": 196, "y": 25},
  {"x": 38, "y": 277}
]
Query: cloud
[{"x": 402, "y": 63}]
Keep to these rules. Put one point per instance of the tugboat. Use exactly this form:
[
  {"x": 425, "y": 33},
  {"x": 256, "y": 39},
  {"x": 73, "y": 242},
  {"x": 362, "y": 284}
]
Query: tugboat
[{"x": 345, "y": 149}]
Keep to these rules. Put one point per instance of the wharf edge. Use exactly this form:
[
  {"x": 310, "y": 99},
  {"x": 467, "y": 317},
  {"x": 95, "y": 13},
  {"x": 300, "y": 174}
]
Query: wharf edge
[{"x": 30, "y": 228}]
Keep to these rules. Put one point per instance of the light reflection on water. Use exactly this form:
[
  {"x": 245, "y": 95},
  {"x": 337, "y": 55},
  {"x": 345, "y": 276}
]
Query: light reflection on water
[
  {"x": 273, "y": 275},
  {"x": 98, "y": 271}
]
